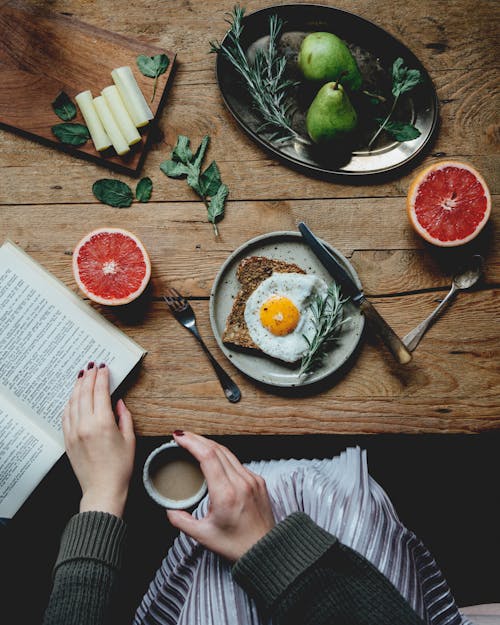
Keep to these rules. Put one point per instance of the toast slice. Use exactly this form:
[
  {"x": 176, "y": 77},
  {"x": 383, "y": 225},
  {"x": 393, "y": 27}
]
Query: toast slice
[{"x": 251, "y": 272}]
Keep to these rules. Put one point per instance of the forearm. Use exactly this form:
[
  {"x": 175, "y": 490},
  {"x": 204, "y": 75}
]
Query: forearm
[
  {"x": 86, "y": 570},
  {"x": 300, "y": 574}
]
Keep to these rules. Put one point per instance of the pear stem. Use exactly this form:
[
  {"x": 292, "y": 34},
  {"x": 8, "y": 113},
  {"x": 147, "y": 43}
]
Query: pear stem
[{"x": 337, "y": 82}]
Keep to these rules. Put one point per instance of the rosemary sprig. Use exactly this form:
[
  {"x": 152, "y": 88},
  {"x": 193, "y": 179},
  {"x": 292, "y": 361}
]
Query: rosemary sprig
[
  {"x": 265, "y": 79},
  {"x": 328, "y": 318}
]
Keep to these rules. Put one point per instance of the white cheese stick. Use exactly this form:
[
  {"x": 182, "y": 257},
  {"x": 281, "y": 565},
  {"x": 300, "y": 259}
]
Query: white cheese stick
[
  {"x": 132, "y": 97},
  {"x": 110, "y": 126},
  {"x": 98, "y": 134},
  {"x": 119, "y": 112}
]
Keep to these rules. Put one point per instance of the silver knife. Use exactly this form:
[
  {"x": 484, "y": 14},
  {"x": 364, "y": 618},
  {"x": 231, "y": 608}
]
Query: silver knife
[{"x": 350, "y": 288}]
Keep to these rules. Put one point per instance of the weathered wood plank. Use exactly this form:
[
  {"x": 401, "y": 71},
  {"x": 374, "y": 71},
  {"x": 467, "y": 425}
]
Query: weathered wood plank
[
  {"x": 435, "y": 31},
  {"x": 374, "y": 233}
]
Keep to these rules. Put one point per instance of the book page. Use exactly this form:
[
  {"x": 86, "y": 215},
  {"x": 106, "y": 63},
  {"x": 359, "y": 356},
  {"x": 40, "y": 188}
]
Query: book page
[
  {"x": 47, "y": 334},
  {"x": 26, "y": 455}
]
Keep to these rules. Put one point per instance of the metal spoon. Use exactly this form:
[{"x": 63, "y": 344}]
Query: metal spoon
[{"x": 464, "y": 280}]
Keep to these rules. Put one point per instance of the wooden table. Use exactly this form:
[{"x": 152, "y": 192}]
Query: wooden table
[{"x": 451, "y": 384}]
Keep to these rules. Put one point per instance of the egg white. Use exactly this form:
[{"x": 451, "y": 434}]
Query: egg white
[{"x": 300, "y": 289}]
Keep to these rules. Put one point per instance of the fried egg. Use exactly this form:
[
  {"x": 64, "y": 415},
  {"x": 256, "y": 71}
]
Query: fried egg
[{"x": 278, "y": 314}]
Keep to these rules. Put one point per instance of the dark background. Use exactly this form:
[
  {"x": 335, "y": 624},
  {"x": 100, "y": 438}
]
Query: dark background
[{"x": 444, "y": 488}]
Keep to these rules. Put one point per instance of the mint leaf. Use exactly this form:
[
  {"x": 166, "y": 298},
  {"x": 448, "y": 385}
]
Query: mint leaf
[
  {"x": 182, "y": 152},
  {"x": 64, "y": 107},
  {"x": 174, "y": 169},
  {"x": 193, "y": 179},
  {"x": 401, "y": 131},
  {"x": 403, "y": 78},
  {"x": 144, "y": 189},
  {"x": 71, "y": 133},
  {"x": 200, "y": 152},
  {"x": 216, "y": 205},
  {"x": 210, "y": 180},
  {"x": 208, "y": 185},
  {"x": 152, "y": 66},
  {"x": 113, "y": 192}
]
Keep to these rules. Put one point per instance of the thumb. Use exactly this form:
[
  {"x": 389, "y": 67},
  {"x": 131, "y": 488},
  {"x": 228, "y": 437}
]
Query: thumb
[
  {"x": 186, "y": 523},
  {"x": 125, "y": 422}
]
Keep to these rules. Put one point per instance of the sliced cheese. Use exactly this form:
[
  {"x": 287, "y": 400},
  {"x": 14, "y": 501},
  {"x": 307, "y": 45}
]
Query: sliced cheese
[
  {"x": 132, "y": 97},
  {"x": 119, "y": 112},
  {"x": 98, "y": 134},
  {"x": 110, "y": 126}
]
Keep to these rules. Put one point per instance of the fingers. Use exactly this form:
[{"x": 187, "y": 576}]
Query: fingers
[
  {"x": 205, "y": 452},
  {"x": 102, "y": 398},
  {"x": 236, "y": 465},
  {"x": 86, "y": 394},
  {"x": 186, "y": 523},
  {"x": 232, "y": 466},
  {"x": 125, "y": 422}
]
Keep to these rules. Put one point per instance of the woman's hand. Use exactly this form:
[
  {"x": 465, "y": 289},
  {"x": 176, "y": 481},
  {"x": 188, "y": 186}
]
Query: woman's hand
[
  {"x": 239, "y": 513},
  {"x": 101, "y": 451}
]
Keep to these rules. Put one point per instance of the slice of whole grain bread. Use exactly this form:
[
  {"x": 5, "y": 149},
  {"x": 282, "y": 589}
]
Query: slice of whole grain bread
[{"x": 251, "y": 272}]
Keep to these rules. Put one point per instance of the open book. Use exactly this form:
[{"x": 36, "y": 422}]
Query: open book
[{"x": 47, "y": 334}]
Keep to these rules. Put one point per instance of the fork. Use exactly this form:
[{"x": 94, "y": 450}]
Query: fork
[{"x": 182, "y": 311}]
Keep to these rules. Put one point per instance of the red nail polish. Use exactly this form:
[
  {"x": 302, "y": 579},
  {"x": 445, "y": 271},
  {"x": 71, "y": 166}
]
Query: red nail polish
[
  {"x": 90, "y": 365},
  {"x": 80, "y": 373},
  {"x": 178, "y": 433},
  {"x": 102, "y": 365}
]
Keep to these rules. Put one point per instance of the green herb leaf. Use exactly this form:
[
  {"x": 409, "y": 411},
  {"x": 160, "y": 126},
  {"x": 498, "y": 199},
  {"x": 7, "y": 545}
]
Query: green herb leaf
[
  {"x": 210, "y": 180},
  {"x": 265, "y": 79},
  {"x": 152, "y": 67},
  {"x": 193, "y": 179},
  {"x": 72, "y": 134},
  {"x": 217, "y": 202},
  {"x": 144, "y": 189},
  {"x": 327, "y": 315},
  {"x": 113, "y": 192},
  {"x": 174, "y": 169},
  {"x": 182, "y": 151},
  {"x": 64, "y": 107},
  {"x": 200, "y": 152},
  {"x": 208, "y": 185},
  {"x": 403, "y": 78},
  {"x": 400, "y": 130}
]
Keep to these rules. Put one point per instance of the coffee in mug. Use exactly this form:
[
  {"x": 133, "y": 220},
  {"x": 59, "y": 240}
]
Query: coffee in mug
[{"x": 173, "y": 478}]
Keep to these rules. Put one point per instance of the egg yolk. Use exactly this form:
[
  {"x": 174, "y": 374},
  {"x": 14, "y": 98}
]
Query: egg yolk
[{"x": 279, "y": 315}]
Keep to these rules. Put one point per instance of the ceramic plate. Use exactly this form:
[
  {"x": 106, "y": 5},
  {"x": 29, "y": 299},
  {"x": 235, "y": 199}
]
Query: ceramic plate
[
  {"x": 290, "y": 247},
  {"x": 375, "y": 51}
]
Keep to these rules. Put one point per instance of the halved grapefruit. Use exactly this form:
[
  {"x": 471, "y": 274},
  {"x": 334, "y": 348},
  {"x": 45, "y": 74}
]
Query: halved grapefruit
[
  {"x": 448, "y": 203},
  {"x": 111, "y": 266}
]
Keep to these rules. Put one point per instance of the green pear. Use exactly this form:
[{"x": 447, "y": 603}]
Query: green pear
[
  {"x": 324, "y": 56},
  {"x": 331, "y": 114}
]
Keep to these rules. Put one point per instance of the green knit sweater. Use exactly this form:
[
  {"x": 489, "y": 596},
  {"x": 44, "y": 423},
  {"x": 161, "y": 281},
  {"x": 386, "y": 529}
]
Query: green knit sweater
[{"x": 297, "y": 573}]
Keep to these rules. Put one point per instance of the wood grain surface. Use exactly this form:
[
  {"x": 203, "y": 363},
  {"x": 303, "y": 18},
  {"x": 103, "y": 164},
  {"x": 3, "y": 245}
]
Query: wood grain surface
[
  {"x": 43, "y": 53},
  {"x": 46, "y": 205}
]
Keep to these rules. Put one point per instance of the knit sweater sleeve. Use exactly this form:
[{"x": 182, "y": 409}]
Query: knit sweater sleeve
[
  {"x": 86, "y": 570},
  {"x": 302, "y": 575}
]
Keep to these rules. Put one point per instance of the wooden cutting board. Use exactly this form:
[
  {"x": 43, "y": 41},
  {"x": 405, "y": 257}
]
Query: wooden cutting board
[{"x": 42, "y": 53}]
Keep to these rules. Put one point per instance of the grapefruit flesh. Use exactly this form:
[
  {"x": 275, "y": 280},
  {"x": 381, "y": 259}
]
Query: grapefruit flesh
[
  {"x": 448, "y": 203},
  {"x": 111, "y": 266}
]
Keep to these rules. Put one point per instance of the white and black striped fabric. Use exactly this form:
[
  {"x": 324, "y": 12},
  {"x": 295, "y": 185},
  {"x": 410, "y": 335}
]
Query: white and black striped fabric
[{"x": 194, "y": 586}]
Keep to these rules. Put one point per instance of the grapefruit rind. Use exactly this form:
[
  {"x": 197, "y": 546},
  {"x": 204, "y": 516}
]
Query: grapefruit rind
[
  {"x": 104, "y": 300},
  {"x": 412, "y": 193}
]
